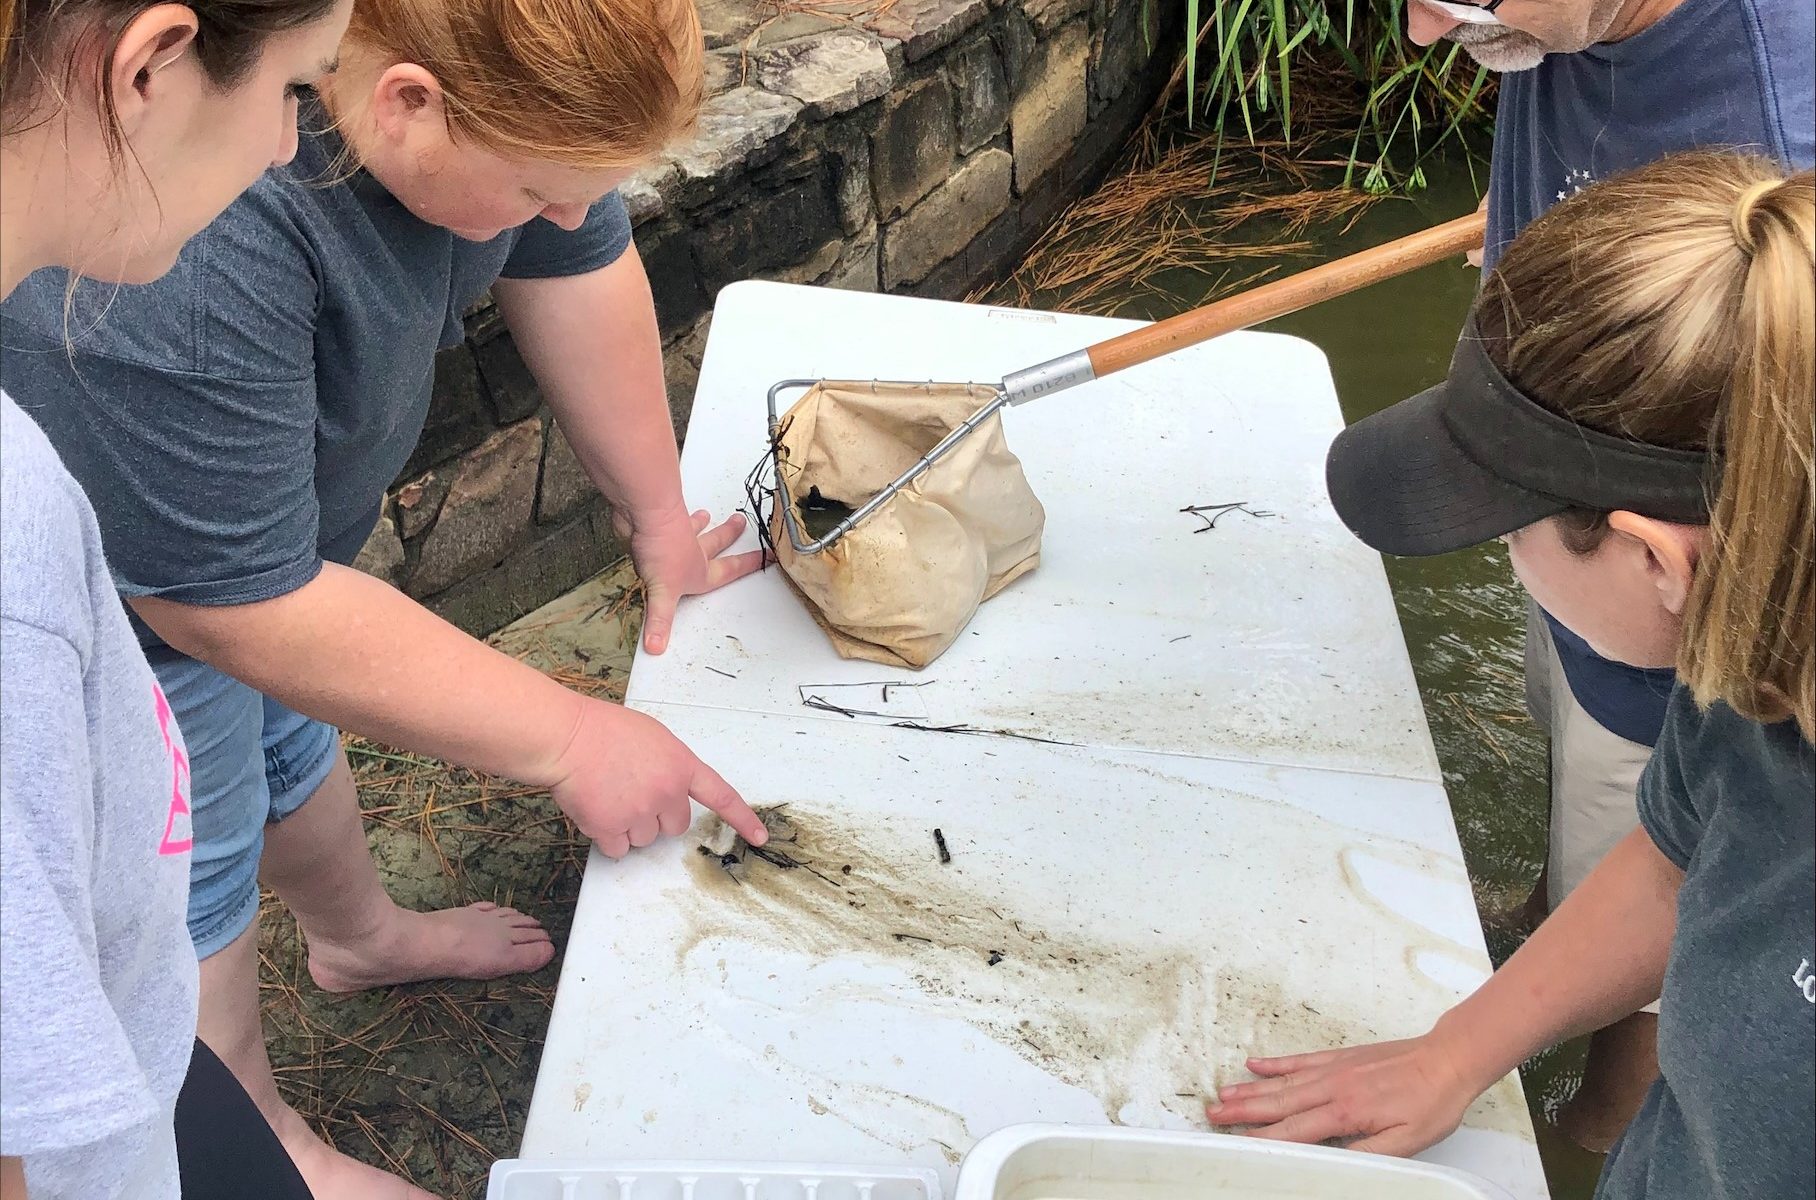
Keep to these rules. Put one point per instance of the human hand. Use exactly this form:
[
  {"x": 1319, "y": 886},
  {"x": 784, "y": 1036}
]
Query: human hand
[
  {"x": 676, "y": 555},
  {"x": 1474, "y": 257},
  {"x": 1393, "y": 1097},
  {"x": 625, "y": 780}
]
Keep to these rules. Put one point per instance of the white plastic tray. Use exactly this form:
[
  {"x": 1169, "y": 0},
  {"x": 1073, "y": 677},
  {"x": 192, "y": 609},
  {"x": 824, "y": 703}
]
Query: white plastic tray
[
  {"x": 1065, "y": 1162},
  {"x": 515, "y": 1179}
]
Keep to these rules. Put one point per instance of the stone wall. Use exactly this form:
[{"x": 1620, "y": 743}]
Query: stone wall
[{"x": 919, "y": 152}]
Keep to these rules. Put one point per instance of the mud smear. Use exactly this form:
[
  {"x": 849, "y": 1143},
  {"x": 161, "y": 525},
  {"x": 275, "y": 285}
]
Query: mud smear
[
  {"x": 1502, "y": 1106},
  {"x": 1116, "y": 1021},
  {"x": 1420, "y": 941},
  {"x": 1260, "y": 722}
]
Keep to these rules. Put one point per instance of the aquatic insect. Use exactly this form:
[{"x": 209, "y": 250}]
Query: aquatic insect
[{"x": 729, "y": 847}]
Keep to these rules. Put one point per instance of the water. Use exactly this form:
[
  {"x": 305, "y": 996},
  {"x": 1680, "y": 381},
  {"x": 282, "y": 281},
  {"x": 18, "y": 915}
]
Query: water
[
  {"x": 820, "y": 515},
  {"x": 1462, "y": 613}
]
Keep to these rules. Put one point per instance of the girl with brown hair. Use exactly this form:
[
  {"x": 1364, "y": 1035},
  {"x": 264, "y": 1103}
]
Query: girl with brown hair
[
  {"x": 1630, "y": 408},
  {"x": 125, "y": 126},
  {"x": 279, "y": 379}
]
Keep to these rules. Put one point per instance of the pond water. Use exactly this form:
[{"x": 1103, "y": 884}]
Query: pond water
[{"x": 1462, "y": 613}]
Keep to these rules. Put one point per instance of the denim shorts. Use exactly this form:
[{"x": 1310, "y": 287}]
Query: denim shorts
[{"x": 252, "y": 762}]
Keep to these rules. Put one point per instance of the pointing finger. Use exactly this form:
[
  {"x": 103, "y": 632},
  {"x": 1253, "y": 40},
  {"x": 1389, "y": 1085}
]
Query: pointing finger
[{"x": 714, "y": 793}]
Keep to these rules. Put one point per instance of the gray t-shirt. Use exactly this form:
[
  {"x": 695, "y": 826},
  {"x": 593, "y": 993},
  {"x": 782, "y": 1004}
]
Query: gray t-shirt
[
  {"x": 1733, "y": 803},
  {"x": 96, "y": 968},
  {"x": 237, "y": 422}
]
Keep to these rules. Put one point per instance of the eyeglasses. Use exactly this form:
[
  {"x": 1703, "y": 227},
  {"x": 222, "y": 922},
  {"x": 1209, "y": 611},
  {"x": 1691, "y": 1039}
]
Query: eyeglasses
[{"x": 1469, "y": 14}]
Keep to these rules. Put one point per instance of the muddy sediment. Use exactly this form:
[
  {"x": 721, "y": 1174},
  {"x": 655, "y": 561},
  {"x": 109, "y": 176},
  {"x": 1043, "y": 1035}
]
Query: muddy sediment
[{"x": 1147, "y": 1029}]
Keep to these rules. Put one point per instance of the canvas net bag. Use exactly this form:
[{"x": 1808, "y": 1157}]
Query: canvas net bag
[{"x": 901, "y": 584}]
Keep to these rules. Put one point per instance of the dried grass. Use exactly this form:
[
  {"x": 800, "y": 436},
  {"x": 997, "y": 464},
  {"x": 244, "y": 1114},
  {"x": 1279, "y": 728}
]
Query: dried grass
[{"x": 1183, "y": 203}]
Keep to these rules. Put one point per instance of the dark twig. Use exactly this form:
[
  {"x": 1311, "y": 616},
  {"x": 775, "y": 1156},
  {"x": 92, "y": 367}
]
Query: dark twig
[
  {"x": 939, "y": 842},
  {"x": 804, "y": 688},
  {"x": 1210, "y": 514},
  {"x": 821, "y": 704},
  {"x": 760, "y": 491},
  {"x": 810, "y": 697},
  {"x": 783, "y": 860},
  {"x": 974, "y": 731}
]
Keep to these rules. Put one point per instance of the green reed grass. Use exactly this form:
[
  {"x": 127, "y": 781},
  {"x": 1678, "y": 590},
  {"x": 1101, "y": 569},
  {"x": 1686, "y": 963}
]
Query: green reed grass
[{"x": 1243, "y": 55}]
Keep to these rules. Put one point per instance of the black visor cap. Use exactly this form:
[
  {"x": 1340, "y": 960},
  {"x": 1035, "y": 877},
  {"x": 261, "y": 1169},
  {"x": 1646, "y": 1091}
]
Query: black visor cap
[{"x": 1474, "y": 458}]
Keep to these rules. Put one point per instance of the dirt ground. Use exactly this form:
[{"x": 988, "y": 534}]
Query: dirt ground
[{"x": 433, "y": 1080}]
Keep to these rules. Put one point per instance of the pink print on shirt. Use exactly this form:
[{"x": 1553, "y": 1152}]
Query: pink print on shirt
[{"x": 178, "y": 830}]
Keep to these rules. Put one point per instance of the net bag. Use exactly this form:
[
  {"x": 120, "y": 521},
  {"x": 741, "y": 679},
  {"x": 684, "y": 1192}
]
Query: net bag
[{"x": 901, "y": 584}]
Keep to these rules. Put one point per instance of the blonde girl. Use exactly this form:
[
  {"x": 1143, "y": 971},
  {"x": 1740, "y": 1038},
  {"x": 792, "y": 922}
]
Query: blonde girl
[{"x": 1630, "y": 408}]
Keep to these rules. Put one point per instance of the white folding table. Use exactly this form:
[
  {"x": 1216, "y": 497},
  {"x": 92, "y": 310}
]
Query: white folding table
[{"x": 1200, "y": 817}]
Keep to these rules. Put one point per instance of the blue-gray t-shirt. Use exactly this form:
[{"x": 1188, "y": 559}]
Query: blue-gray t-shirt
[
  {"x": 236, "y": 423},
  {"x": 1712, "y": 73},
  {"x": 1733, "y": 803}
]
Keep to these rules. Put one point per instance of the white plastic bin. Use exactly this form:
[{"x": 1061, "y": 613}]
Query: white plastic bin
[
  {"x": 518, "y": 1179},
  {"x": 1070, "y": 1162}
]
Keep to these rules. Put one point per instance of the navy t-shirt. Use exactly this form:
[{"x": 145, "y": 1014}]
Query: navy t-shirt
[
  {"x": 1712, "y": 73},
  {"x": 1731, "y": 1117},
  {"x": 237, "y": 422}
]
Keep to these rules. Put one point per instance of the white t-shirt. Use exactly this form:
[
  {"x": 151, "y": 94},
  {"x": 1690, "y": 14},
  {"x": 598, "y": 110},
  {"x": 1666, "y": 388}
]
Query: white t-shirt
[{"x": 97, "y": 974}]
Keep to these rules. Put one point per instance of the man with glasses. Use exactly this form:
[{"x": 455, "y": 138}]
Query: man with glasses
[{"x": 1595, "y": 87}]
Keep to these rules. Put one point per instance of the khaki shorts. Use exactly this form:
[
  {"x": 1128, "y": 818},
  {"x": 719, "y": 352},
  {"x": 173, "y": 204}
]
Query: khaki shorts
[{"x": 1594, "y": 773}]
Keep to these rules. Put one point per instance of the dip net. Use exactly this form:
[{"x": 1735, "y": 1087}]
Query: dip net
[{"x": 899, "y": 585}]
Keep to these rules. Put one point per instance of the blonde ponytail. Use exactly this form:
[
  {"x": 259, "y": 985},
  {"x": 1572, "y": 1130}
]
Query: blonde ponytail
[
  {"x": 1748, "y": 627},
  {"x": 1676, "y": 305}
]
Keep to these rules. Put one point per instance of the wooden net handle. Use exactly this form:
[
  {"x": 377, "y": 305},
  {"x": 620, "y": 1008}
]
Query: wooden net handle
[{"x": 1288, "y": 295}]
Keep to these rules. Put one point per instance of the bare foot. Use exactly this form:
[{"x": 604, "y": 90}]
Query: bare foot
[
  {"x": 480, "y": 941},
  {"x": 330, "y": 1174}
]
